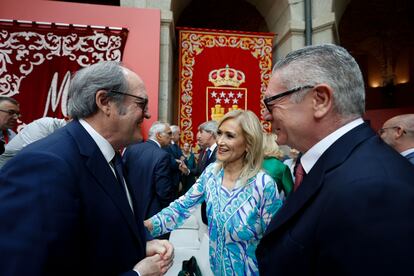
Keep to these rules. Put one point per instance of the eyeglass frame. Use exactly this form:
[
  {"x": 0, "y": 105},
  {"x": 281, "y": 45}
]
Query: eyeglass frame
[
  {"x": 382, "y": 130},
  {"x": 284, "y": 94},
  {"x": 169, "y": 133},
  {"x": 13, "y": 113},
  {"x": 144, "y": 101}
]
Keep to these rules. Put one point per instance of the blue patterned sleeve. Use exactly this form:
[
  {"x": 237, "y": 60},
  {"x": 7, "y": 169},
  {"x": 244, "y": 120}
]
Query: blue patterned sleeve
[
  {"x": 179, "y": 210},
  {"x": 271, "y": 201}
]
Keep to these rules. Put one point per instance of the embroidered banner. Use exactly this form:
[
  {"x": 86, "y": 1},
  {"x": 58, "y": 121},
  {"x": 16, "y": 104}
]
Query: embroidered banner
[
  {"x": 37, "y": 60},
  {"x": 220, "y": 71}
]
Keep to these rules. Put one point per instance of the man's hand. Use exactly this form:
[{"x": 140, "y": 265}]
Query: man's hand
[
  {"x": 152, "y": 266},
  {"x": 161, "y": 247},
  {"x": 160, "y": 255},
  {"x": 184, "y": 169}
]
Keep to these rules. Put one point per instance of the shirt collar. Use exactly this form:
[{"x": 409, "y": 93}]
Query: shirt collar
[
  {"x": 407, "y": 152},
  {"x": 309, "y": 158},
  {"x": 212, "y": 148},
  {"x": 103, "y": 145},
  {"x": 156, "y": 142}
]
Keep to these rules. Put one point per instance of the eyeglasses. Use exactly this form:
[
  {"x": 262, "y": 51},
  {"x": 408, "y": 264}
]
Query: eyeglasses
[
  {"x": 267, "y": 101},
  {"x": 382, "y": 130},
  {"x": 169, "y": 133},
  {"x": 143, "y": 101},
  {"x": 13, "y": 113}
]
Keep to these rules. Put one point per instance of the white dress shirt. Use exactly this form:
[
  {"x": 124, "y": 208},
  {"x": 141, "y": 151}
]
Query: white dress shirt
[{"x": 309, "y": 158}]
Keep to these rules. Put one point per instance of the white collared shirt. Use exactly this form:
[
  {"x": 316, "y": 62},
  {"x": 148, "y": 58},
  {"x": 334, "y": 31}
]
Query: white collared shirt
[
  {"x": 155, "y": 141},
  {"x": 212, "y": 148},
  {"x": 309, "y": 158},
  {"x": 107, "y": 150},
  {"x": 407, "y": 152}
]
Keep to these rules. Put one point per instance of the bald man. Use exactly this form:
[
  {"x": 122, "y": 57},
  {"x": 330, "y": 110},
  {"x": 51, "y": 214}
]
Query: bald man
[{"x": 398, "y": 132}]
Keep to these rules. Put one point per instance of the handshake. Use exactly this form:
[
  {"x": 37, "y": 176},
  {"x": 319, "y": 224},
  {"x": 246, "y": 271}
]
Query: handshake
[{"x": 182, "y": 166}]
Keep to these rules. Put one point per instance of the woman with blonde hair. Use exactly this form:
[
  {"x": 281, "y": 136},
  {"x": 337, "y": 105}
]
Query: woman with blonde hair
[
  {"x": 241, "y": 198},
  {"x": 274, "y": 167}
]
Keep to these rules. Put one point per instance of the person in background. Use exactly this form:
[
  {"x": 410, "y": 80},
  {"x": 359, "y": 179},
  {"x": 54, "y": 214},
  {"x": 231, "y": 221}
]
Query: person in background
[
  {"x": 189, "y": 160},
  {"x": 32, "y": 132},
  {"x": 274, "y": 167},
  {"x": 9, "y": 113},
  {"x": 176, "y": 157},
  {"x": 354, "y": 195},
  {"x": 65, "y": 207},
  {"x": 241, "y": 199},
  {"x": 291, "y": 162},
  {"x": 149, "y": 170},
  {"x": 398, "y": 132},
  {"x": 206, "y": 138}
]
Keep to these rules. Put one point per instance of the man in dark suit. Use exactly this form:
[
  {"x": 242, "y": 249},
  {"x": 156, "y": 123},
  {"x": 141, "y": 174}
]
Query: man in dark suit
[
  {"x": 176, "y": 157},
  {"x": 149, "y": 171},
  {"x": 65, "y": 208},
  {"x": 206, "y": 138},
  {"x": 352, "y": 212},
  {"x": 398, "y": 132},
  {"x": 9, "y": 113}
]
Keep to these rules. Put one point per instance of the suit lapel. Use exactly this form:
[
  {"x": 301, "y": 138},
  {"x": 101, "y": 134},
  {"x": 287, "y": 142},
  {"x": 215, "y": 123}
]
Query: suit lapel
[
  {"x": 99, "y": 168},
  {"x": 410, "y": 157},
  {"x": 212, "y": 157},
  {"x": 336, "y": 154}
]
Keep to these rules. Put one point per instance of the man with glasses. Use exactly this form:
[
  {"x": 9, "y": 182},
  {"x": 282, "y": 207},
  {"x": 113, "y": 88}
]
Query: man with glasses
[
  {"x": 149, "y": 170},
  {"x": 398, "y": 132},
  {"x": 65, "y": 206},
  {"x": 9, "y": 113},
  {"x": 352, "y": 211}
]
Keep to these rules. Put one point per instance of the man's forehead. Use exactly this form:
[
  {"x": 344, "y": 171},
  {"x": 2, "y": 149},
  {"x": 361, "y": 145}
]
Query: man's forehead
[{"x": 8, "y": 104}]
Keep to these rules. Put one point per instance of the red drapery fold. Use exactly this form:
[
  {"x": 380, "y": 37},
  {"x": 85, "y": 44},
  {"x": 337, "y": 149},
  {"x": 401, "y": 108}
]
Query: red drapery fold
[
  {"x": 37, "y": 60},
  {"x": 219, "y": 71}
]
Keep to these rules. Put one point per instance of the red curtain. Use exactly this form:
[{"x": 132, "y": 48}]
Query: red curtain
[
  {"x": 218, "y": 71},
  {"x": 37, "y": 60}
]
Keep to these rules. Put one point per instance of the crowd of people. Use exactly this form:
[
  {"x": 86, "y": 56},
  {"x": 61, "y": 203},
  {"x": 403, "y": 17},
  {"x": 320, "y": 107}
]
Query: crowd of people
[{"x": 88, "y": 196}]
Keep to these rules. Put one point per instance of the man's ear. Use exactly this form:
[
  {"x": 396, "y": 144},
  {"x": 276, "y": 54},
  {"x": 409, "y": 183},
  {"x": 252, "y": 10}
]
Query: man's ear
[
  {"x": 158, "y": 136},
  {"x": 322, "y": 100},
  {"x": 400, "y": 132},
  {"x": 103, "y": 102}
]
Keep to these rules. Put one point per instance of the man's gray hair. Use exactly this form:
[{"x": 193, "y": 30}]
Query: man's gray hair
[
  {"x": 106, "y": 75},
  {"x": 210, "y": 127},
  {"x": 174, "y": 128},
  {"x": 330, "y": 64},
  {"x": 156, "y": 127}
]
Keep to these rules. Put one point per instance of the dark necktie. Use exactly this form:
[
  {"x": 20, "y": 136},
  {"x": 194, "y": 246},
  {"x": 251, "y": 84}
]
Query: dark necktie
[
  {"x": 205, "y": 158},
  {"x": 119, "y": 171},
  {"x": 299, "y": 174}
]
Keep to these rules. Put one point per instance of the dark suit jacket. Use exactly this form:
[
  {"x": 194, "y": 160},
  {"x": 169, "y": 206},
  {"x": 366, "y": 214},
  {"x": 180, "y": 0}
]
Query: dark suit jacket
[
  {"x": 202, "y": 165},
  {"x": 148, "y": 170},
  {"x": 175, "y": 153},
  {"x": 62, "y": 211},
  {"x": 352, "y": 214},
  {"x": 410, "y": 157}
]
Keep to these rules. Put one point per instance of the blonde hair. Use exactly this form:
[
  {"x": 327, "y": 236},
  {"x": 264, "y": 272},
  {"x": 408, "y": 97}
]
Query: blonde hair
[
  {"x": 253, "y": 134},
  {"x": 270, "y": 147}
]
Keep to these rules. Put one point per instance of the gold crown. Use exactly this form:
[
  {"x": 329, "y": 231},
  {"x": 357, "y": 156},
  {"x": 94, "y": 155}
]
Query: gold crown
[{"x": 226, "y": 76}]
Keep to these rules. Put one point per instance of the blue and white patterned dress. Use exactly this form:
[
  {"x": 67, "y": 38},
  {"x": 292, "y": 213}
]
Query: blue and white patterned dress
[{"x": 237, "y": 219}]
